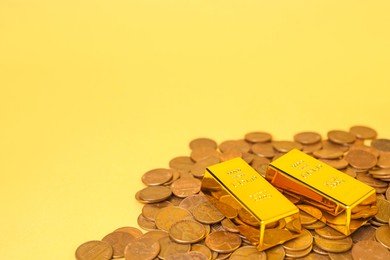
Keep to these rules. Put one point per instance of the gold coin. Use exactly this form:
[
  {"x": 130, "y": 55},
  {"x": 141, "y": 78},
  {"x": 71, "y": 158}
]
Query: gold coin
[
  {"x": 223, "y": 241},
  {"x": 96, "y": 250},
  {"x": 382, "y": 235},
  {"x": 333, "y": 245},
  {"x": 170, "y": 215},
  {"x": 187, "y": 231},
  {"x": 300, "y": 243},
  {"x": 248, "y": 252}
]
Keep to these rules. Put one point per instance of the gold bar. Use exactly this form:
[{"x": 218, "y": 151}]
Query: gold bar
[
  {"x": 265, "y": 217},
  {"x": 346, "y": 203}
]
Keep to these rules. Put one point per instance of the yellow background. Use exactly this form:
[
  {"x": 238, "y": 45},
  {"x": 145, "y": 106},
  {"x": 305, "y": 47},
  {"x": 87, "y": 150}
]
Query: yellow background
[{"x": 95, "y": 93}]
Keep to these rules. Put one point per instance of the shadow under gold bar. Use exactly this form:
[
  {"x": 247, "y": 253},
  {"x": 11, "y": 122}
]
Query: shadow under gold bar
[
  {"x": 265, "y": 217},
  {"x": 345, "y": 202}
]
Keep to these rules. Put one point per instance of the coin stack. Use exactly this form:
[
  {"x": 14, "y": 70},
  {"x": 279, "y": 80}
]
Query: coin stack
[{"x": 180, "y": 223}]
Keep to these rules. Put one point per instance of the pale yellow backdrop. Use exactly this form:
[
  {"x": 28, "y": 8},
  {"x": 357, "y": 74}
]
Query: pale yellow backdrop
[{"x": 95, "y": 93}]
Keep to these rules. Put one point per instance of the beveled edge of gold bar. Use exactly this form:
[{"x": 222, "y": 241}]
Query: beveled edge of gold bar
[
  {"x": 253, "y": 191},
  {"x": 321, "y": 177}
]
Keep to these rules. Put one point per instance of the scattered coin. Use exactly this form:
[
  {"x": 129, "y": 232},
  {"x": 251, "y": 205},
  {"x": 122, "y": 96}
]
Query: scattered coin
[
  {"x": 169, "y": 247},
  {"x": 341, "y": 137},
  {"x": 333, "y": 245},
  {"x": 248, "y": 252},
  {"x": 187, "y": 231},
  {"x": 223, "y": 241},
  {"x": 97, "y": 250},
  {"x": 170, "y": 215},
  {"x": 363, "y": 132},
  {"x": 203, "y": 142},
  {"x": 381, "y": 144},
  {"x": 142, "y": 248},
  {"x": 369, "y": 249},
  {"x": 118, "y": 241},
  {"x": 382, "y": 235},
  {"x": 157, "y": 176}
]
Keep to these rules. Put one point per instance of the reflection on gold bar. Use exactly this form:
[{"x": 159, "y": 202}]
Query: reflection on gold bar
[
  {"x": 265, "y": 217},
  {"x": 346, "y": 203}
]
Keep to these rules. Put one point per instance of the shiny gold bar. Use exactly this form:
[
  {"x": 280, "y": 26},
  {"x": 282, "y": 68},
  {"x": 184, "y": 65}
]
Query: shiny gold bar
[
  {"x": 346, "y": 203},
  {"x": 265, "y": 217}
]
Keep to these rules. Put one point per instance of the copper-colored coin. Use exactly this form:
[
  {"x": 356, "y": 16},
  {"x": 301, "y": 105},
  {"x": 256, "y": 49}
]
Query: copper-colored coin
[
  {"x": 207, "y": 213},
  {"x": 300, "y": 243},
  {"x": 384, "y": 160},
  {"x": 182, "y": 163},
  {"x": 264, "y": 150},
  {"x": 240, "y": 145},
  {"x": 179, "y": 256},
  {"x": 228, "y": 225},
  {"x": 388, "y": 193},
  {"x": 248, "y": 252},
  {"x": 363, "y": 132},
  {"x": 185, "y": 187},
  {"x": 170, "y": 215},
  {"x": 248, "y": 218},
  {"x": 341, "y": 256},
  {"x": 383, "y": 214},
  {"x": 329, "y": 233},
  {"x": 336, "y": 163},
  {"x": 156, "y": 234},
  {"x": 382, "y": 235},
  {"x": 223, "y": 241},
  {"x": 227, "y": 210},
  {"x": 203, "y": 153},
  {"x": 333, "y": 245},
  {"x": 366, "y": 232},
  {"x": 142, "y": 248},
  {"x": 315, "y": 225},
  {"x": 319, "y": 251},
  {"x": 230, "y": 201},
  {"x": 328, "y": 154},
  {"x": 314, "y": 256},
  {"x": 94, "y": 250},
  {"x": 118, "y": 241},
  {"x": 231, "y": 154},
  {"x": 361, "y": 159},
  {"x": 298, "y": 254},
  {"x": 367, "y": 179},
  {"x": 153, "y": 194},
  {"x": 202, "y": 249},
  {"x": 196, "y": 255},
  {"x": 258, "y": 137},
  {"x": 327, "y": 144},
  {"x": 364, "y": 147},
  {"x": 135, "y": 232},
  {"x": 157, "y": 176},
  {"x": 381, "y": 144},
  {"x": 275, "y": 253},
  {"x": 187, "y": 231},
  {"x": 350, "y": 171},
  {"x": 341, "y": 137},
  {"x": 203, "y": 142},
  {"x": 307, "y": 219},
  {"x": 369, "y": 249},
  {"x": 274, "y": 236},
  {"x": 260, "y": 164},
  {"x": 146, "y": 223},
  {"x": 170, "y": 247},
  {"x": 313, "y": 211},
  {"x": 150, "y": 211},
  {"x": 286, "y": 146},
  {"x": 311, "y": 148},
  {"x": 307, "y": 137},
  {"x": 192, "y": 201}
]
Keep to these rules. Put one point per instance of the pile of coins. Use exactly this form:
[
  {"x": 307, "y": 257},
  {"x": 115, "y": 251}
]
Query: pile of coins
[{"x": 181, "y": 223}]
